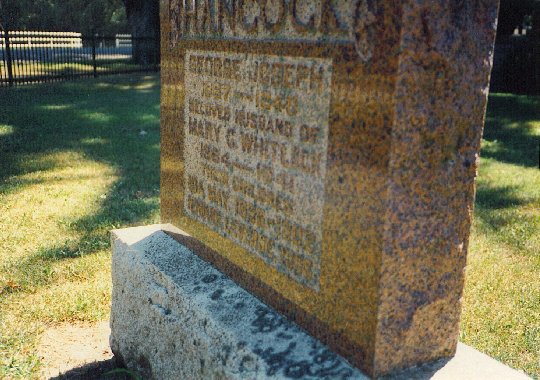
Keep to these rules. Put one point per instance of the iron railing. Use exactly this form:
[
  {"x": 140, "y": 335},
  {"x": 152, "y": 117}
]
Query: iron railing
[{"x": 29, "y": 57}]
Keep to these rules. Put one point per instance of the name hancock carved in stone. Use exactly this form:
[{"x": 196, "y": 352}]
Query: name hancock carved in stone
[{"x": 286, "y": 20}]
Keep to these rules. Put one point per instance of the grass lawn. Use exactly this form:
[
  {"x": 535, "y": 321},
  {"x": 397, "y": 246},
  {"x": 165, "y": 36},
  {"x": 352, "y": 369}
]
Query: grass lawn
[
  {"x": 74, "y": 164},
  {"x": 76, "y": 160},
  {"x": 501, "y": 309}
]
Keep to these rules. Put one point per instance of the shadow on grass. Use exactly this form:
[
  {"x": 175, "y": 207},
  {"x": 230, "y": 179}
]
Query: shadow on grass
[
  {"x": 510, "y": 137},
  {"x": 114, "y": 121},
  {"x": 498, "y": 212},
  {"x": 508, "y": 129},
  {"x": 103, "y": 370},
  {"x": 497, "y": 208},
  {"x": 497, "y": 197}
]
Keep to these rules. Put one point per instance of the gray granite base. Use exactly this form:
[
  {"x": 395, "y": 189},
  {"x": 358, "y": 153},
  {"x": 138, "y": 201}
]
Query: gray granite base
[{"x": 174, "y": 316}]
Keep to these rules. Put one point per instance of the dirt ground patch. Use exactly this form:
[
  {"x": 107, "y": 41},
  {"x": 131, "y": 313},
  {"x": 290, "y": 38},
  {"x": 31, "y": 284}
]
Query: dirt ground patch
[{"x": 77, "y": 352}]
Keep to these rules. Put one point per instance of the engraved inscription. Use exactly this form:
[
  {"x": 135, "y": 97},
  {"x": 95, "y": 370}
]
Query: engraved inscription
[
  {"x": 256, "y": 133},
  {"x": 332, "y": 21}
]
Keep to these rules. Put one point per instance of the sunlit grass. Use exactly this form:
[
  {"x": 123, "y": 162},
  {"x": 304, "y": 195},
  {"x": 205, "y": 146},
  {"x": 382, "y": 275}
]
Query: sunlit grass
[
  {"x": 501, "y": 314},
  {"x": 5, "y": 130},
  {"x": 73, "y": 165},
  {"x": 69, "y": 190}
]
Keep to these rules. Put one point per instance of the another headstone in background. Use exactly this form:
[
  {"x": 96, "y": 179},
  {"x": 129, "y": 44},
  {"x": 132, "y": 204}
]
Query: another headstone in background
[{"x": 323, "y": 154}]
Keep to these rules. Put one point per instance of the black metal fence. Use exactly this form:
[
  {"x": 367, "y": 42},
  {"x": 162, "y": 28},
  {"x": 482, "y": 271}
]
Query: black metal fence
[{"x": 29, "y": 57}]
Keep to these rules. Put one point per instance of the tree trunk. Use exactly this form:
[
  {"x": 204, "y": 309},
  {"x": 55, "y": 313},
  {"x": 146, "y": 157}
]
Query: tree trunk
[
  {"x": 143, "y": 19},
  {"x": 535, "y": 40}
]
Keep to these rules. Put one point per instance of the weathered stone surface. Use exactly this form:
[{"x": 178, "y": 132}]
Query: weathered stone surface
[
  {"x": 174, "y": 316},
  {"x": 323, "y": 154}
]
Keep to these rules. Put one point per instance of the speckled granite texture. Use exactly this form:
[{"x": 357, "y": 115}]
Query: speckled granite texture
[{"x": 323, "y": 154}]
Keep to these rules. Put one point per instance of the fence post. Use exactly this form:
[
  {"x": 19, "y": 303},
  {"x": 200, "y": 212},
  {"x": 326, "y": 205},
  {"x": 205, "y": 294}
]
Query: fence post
[
  {"x": 8, "y": 59},
  {"x": 94, "y": 54}
]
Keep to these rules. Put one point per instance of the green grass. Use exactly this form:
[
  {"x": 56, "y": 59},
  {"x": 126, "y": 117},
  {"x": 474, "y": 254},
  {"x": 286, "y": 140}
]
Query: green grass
[
  {"x": 501, "y": 311},
  {"x": 74, "y": 165}
]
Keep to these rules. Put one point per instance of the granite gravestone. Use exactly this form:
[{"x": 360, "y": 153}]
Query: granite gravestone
[{"x": 323, "y": 154}]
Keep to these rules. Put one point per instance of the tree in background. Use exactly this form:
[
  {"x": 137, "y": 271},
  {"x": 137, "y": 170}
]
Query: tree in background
[
  {"x": 535, "y": 37},
  {"x": 105, "y": 17},
  {"x": 143, "y": 20},
  {"x": 518, "y": 56},
  {"x": 515, "y": 14},
  {"x": 95, "y": 16}
]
